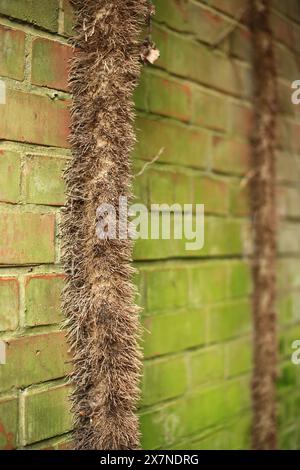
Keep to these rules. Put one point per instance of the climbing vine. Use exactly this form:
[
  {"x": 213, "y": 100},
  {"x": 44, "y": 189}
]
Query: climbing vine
[
  {"x": 102, "y": 319},
  {"x": 263, "y": 196}
]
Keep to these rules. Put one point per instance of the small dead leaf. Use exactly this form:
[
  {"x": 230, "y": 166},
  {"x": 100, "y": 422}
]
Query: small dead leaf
[{"x": 152, "y": 55}]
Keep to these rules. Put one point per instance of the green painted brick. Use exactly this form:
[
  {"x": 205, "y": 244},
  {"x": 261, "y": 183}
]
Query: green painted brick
[
  {"x": 169, "y": 98},
  {"x": 26, "y": 238},
  {"x": 12, "y": 52},
  {"x": 9, "y": 294},
  {"x": 166, "y": 289},
  {"x": 238, "y": 356},
  {"x": 47, "y": 412},
  {"x": 8, "y": 423},
  {"x": 33, "y": 359},
  {"x": 206, "y": 365},
  {"x": 43, "y": 299},
  {"x": 180, "y": 144},
  {"x": 43, "y": 180},
  {"x": 164, "y": 334},
  {"x": 208, "y": 283},
  {"x": 10, "y": 170},
  {"x": 229, "y": 320},
  {"x": 42, "y": 13},
  {"x": 163, "y": 379}
]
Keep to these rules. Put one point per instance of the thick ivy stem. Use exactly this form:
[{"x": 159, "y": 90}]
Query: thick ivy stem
[
  {"x": 102, "y": 319},
  {"x": 263, "y": 188}
]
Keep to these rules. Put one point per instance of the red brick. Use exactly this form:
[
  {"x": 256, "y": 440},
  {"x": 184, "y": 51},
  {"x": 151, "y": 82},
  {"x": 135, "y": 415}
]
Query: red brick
[
  {"x": 43, "y": 299},
  {"x": 26, "y": 238},
  {"x": 34, "y": 119},
  {"x": 50, "y": 64},
  {"x": 12, "y": 53},
  {"x": 230, "y": 156},
  {"x": 34, "y": 359},
  {"x": 68, "y": 18},
  {"x": 9, "y": 312},
  {"x": 169, "y": 98},
  {"x": 10, "y": 171},
  {"x": 8, "y": 423},
  {"x": 240, "y": 119}
]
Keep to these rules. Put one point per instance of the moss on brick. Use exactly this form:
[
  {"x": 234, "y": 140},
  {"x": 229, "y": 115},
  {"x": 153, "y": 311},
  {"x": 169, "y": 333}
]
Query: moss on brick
[
  {"x": 8, "y": 423},
  {"x": 12, "y": 53},
  {"x": 34, "y": 359},
  {"x": 43, "y": 180},
  {"x": 50, "y": 63},
  {"x": 42, "y": 13},
  {"x": 163, "y": 379},
  {"x": 46, "y": 412},
  {"x": 43, "y": 299},
  {"x": 10, "y": 170},
  {"x": 26, "y": 238},
  {"x": 9, "y": 294}
]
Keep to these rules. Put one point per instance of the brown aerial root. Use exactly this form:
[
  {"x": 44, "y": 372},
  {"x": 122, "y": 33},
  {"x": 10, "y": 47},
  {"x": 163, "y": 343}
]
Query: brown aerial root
[
  {"x": 263, "y": 196},
  {"x": 102, "y": 319}
]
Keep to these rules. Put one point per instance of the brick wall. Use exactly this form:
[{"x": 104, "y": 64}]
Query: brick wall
[{"x": 196, "y": 104}]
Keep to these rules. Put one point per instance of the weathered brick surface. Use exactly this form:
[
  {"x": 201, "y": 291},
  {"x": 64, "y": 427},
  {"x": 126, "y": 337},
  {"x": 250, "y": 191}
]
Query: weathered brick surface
[
  {"x": 38, "y": 290},
  {"x": 42, "y": 121},
  {"x": 26, "y": 238},
  {"x": 43, "y": 180},
  {"x": 42, "y": 13},
  {"x": 12, "y": 53},
  {"x": 8, "y": 423},
  {"x": 10, "y": 170},
  {"x": 195, "y": 113},
  {"x": 46, "y": 412},
  {"x": 33, "y": 359},
  {"x": 9, "y": 294},
  {"x": 50, "y": 63}
]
